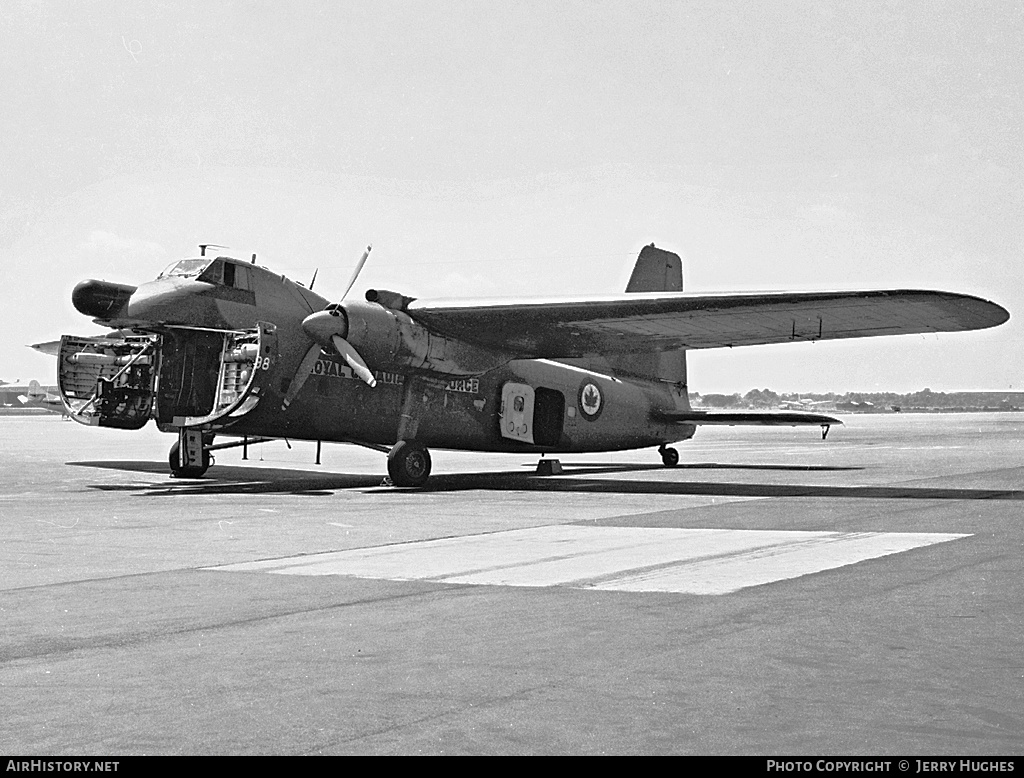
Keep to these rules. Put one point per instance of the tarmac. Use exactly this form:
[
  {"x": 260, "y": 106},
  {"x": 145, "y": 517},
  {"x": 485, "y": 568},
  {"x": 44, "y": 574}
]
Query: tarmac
[{"x": 774, "y": 594}]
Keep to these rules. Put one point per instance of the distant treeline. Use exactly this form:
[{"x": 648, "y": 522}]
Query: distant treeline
[{"x": 866, "y": 402}]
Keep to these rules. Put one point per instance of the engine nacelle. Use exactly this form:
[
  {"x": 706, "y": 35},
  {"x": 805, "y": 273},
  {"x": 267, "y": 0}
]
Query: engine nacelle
[{"x": 383, "y": 336}]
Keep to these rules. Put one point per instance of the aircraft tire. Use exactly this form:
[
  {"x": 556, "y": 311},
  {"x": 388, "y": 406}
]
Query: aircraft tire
[
  {"x": 409, "y": 463},
  {"x": 669, "y": 457},
  {"x": 177, "y": 471}
]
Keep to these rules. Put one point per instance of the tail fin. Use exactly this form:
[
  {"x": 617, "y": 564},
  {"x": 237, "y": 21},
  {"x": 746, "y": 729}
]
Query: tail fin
[{"x": 656, "y": 270}]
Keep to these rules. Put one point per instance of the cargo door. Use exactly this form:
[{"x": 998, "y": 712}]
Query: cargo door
[
  {"x": 182, "y": 377},
  {"x": 213, "y": 377},
  {"x": 108, "y": 381},
  {"x": 516, "y": 418}
]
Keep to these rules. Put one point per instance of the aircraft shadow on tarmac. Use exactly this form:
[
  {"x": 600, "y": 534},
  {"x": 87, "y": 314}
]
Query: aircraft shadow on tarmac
[{"x": 223, "y": 479}]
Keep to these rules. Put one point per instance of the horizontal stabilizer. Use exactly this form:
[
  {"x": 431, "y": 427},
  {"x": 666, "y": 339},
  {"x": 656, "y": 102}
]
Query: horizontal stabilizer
[{"x": 743, "y": 418}]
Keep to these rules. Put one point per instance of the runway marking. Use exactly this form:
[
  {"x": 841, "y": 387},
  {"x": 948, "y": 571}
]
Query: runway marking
[{"x": 633, "y": 559}]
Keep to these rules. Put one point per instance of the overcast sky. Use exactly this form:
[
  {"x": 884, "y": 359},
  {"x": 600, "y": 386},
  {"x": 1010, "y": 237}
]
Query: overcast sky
[{"x": 527, "y": 148}]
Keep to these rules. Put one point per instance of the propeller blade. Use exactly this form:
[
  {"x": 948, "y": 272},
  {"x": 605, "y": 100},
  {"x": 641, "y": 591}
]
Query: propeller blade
[
  {"x": 354, "y": 360},
  {"x": 301, "y": 374},
  {"x": 355, "y": 275}
]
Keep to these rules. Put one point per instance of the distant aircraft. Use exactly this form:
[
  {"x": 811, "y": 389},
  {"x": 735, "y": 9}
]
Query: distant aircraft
[
  {"x": 217, "y": 346},
  {"x": 801, "y": 404},
  {"x": 17, "y": 395},
  {"x": 44, "y": 397}
]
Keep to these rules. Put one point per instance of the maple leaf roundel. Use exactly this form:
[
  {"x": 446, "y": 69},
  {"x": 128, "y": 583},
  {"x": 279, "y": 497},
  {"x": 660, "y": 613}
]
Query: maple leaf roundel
[{"x": 591, "y": 401}]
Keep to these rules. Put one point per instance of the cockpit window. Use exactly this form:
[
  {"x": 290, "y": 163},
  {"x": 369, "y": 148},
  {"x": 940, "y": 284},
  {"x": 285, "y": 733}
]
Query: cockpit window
[
  {"x": 226, "y": 272},
  {"x": 185, "y": 268}
]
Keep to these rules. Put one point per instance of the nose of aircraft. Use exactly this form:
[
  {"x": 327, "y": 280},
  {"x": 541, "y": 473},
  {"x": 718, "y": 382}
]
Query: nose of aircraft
[{"x": 101, "y": 299}]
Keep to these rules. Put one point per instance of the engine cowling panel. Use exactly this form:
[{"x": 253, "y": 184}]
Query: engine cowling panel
[{"x": 383, "y": 336}]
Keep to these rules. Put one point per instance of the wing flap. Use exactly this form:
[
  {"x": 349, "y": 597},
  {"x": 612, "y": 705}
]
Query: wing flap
[{"x": 552, "y": 328}]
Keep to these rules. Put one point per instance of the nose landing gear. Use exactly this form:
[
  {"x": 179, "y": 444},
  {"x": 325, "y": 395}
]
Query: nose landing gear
[
  {"x": 190, "y": 456},
  {"x": 669, "y": 456}
]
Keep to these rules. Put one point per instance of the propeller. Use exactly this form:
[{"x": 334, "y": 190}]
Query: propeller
[
  {"x": 327, "y": 329},
  {"x": 357, "y": 271}
]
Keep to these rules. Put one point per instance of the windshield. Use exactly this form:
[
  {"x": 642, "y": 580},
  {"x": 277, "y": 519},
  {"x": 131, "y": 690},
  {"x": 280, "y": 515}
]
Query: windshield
[{"x": 186, "y": 268}]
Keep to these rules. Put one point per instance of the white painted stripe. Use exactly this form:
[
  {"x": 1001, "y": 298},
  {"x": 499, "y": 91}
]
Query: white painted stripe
[
  {"x": 636, "y": 559},
  {"x": 609, "y": 551},
  {"x": 731, "y": 573}
]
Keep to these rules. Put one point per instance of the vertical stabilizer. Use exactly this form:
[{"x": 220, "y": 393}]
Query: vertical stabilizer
[{"x": 656, "y": 270}]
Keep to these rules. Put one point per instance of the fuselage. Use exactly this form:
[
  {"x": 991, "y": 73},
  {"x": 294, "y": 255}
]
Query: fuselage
[{"x": 519, "y": 405}]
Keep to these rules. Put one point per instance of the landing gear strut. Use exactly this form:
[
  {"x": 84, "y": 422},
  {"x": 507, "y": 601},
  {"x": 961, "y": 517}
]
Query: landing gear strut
[
  {"x": 409, "y": 463},
  {"x": 197, "y": 457},
  {"x": 669, "y": 456}
]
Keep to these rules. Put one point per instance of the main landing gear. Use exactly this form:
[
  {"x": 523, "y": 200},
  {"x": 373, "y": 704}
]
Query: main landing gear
[
  {"x": 409, "y": 463},
  {"x": 190, "y": 457},
  {"x": 669, "y": 456}
]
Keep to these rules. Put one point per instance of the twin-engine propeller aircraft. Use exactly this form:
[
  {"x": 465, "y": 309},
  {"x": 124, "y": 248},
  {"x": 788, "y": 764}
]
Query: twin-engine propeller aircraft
[{"x": 217, "y": 346}]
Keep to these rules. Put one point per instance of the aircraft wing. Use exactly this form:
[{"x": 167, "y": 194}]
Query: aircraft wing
[
  {"x": 659, "y": 321},
  {"x": 744, "y": 418},
  {"x": 51, "y": 347}
]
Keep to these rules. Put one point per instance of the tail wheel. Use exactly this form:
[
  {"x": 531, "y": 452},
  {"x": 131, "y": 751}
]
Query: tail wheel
[
  {"x": 409, "y": 463},
  {"x": 669, "y": 456},
  {"x": 195, "y": 471}
]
